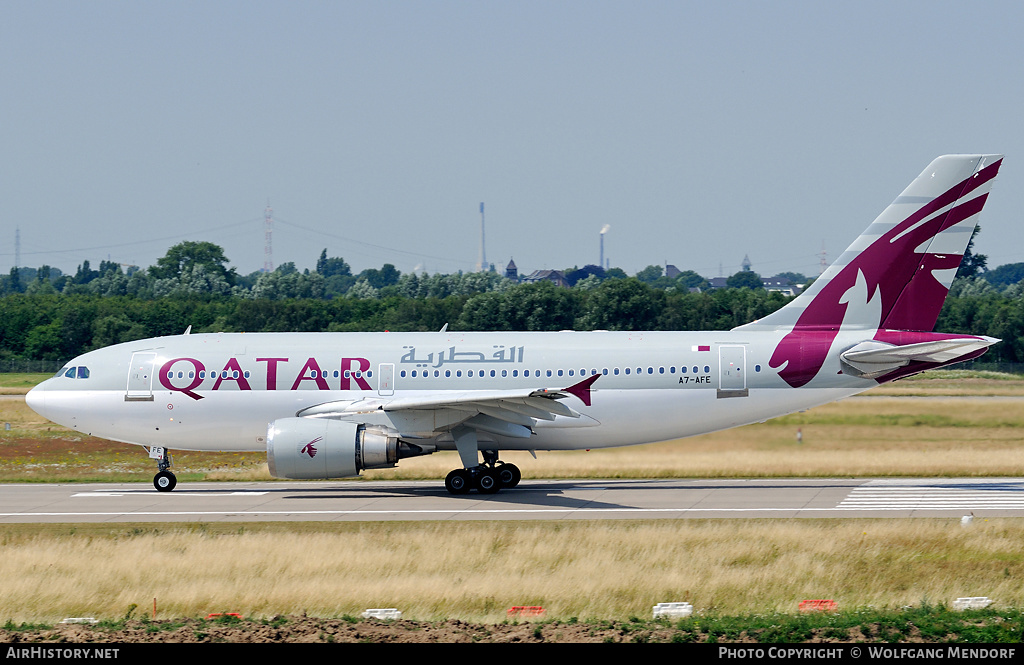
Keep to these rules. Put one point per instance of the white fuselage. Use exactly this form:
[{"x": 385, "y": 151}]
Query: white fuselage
[{"x": 220, "y": 391}]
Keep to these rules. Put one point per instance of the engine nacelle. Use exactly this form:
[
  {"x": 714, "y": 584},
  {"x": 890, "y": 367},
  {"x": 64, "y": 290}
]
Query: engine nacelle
[{"x": 302, "y": 448}]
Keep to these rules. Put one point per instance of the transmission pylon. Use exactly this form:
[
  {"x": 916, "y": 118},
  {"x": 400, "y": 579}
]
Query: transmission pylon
[{"x": 268, "y": 234}]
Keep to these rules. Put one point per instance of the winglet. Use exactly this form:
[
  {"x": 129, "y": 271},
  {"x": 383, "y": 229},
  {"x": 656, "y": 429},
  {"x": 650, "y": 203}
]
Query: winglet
[{"x": 582, "y": 389}]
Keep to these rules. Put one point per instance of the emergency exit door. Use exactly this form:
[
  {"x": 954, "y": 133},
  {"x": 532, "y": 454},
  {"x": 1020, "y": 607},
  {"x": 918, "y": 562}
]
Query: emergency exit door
[{"x": 732, "y": 364}]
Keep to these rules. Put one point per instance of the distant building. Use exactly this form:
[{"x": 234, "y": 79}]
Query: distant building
[
  {"x": 511, "y": 272},
  {"x": 747, "y": 265},
  {"x": 671, "y": 271},
  {"x": 780, "y": 284},
  {"x": 546, "y": 275}
]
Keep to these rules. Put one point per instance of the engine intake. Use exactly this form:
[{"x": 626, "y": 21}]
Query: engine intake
[{"x": 306, "y": 448}]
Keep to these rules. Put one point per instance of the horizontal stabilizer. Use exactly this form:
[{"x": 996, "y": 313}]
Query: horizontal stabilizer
[{"x": 872, "y": 359}]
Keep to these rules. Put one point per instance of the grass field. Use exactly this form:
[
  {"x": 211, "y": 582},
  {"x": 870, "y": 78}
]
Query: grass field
[
  {"x": 476, "y": 571},
  {"x": 946, "y": 424},
  {"x": 19, "y": 384}
]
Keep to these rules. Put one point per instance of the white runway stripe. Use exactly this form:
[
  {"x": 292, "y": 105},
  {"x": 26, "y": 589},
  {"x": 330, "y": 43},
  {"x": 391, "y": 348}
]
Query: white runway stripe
[{"x": 956, "y": 494}]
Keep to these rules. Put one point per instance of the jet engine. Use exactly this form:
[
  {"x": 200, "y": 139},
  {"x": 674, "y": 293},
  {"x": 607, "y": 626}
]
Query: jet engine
[{"x": 323, "y": 448}]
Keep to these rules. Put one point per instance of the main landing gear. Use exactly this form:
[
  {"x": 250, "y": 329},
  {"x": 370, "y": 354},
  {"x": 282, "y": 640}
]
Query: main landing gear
[
  {"x": 164, "y": 480},
  {"x": 487, "y": 478}
]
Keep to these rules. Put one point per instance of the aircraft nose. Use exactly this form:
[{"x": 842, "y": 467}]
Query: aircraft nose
[{"x": 36, "y": 400}]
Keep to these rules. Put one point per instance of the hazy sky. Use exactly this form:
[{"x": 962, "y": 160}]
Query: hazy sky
[{"x": 699, "y": 131}]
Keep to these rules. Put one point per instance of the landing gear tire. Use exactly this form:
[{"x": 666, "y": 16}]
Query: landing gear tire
[
  {"x": 164, "y": 481},
  {"x": 458, "y": 481},
  {"x": 487, "y": 482},
  {"x": 509, "y": 475}
]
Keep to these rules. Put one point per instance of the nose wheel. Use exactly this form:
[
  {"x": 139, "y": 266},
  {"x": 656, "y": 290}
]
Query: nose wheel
[{"x": 164, "y": 480}]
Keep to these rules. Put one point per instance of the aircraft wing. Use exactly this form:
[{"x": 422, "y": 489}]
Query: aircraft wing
[{"x": 506, "y": 412}]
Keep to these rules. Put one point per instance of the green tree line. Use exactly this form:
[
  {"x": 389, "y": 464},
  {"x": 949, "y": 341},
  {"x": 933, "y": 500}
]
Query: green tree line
[
  {"x": 48, "y": 316},
  {"x": 58, "y": 327}
]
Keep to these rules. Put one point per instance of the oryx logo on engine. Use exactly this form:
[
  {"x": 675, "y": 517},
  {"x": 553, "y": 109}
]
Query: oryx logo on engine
[{"x": 309, "y": 448}]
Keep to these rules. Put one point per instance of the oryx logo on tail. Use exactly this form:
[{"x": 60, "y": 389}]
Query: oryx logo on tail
[{"x": 896, "y": 275}]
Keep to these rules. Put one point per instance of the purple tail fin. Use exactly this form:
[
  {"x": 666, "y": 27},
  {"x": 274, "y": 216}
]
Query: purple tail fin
[{"x": 896, "y": 274}]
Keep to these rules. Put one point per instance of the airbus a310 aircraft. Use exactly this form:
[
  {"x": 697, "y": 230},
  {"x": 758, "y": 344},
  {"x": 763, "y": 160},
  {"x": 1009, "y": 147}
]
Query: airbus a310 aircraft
[{"x": 328, "y": 405}]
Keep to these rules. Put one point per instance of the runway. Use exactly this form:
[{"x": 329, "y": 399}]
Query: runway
[{"x": 531, "y": 500}]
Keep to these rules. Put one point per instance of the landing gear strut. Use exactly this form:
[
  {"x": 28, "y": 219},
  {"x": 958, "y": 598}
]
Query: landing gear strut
[{"x": 164, "y": 480}]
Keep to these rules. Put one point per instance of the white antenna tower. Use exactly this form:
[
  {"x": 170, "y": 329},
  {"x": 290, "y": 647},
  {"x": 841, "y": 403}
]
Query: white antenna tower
[
  {"x": 17, "y": 247},
  {"x": 600, "y": 261},
  {"x": 268, "y": 233},
  {"x": 482, "y": 265},
  {"x": 823, "y": 263}
]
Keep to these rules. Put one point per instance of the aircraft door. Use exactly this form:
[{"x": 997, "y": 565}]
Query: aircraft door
[
  {"x": 140, "y": 377},
  {"x": 732, "y": 379},
  {"x": 386, "y": 380}
]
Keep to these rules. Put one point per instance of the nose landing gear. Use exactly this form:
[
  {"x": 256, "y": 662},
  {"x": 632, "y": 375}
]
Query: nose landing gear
[{"x": 164, "y": 480}]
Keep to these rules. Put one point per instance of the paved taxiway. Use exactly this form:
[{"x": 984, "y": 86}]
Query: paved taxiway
[{"x": 531, "y": 500}]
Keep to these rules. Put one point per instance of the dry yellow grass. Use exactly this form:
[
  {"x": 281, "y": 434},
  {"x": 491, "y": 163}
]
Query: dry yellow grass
[
  {"x": 476, "y": 571},
  {"x": 13, "y": 410}
]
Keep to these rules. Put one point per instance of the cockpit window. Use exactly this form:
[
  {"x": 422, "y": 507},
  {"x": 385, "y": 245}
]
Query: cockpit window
[
  {"x": 74, "y": 372},
  {"x": 83, "y": 372},
  {"x": 70, "y": 373}
]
